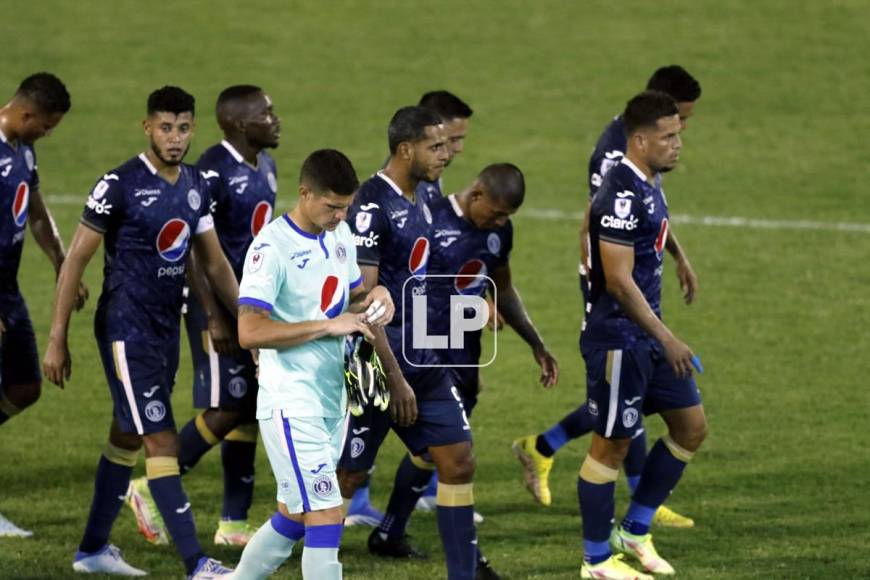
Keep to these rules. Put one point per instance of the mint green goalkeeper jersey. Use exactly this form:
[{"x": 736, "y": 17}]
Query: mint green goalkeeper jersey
[{"x": 299, "y": 277}]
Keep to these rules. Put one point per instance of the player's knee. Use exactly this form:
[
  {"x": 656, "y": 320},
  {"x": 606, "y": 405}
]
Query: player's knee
[
  {"x": 350, "y": 481},
  {"x": 162, "y": 444},
  {"x": 126, "y": 441},
  {"x": 457, "y": 468},
  {"x": 221, "y": 421},
  {"x": 609, "y": 452},
  {"x": 23, "y": 395},
  {"x": 691, "y": 435}
]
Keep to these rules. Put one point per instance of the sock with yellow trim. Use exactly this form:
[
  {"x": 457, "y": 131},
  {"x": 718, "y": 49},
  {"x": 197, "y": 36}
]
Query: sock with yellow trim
[
  {"x": 595, "y": 490},
  {"x": 455, "y": 511},
  {"x": 194, "y": 441},
  {"x": 238, "y": 452},
  {"x": 662, "y": 471},
  {"x": 110, "y": 489},
  {"x": 164, "y": 481},
  {"x": 412, "y": 479},
  {"x": 7, "y": 409}
]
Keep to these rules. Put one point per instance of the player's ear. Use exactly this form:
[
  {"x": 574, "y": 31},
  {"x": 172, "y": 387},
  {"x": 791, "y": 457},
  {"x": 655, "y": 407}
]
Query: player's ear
[
  {"x": 146, "y": 126},
  {"x": 406, "y": 151}
]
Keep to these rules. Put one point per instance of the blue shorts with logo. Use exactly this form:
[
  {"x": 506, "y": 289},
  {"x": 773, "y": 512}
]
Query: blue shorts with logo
[
  {"x": 624, "y": 384},
  {"x": 219, "y": 381},
  {"x": 141, "y": 375},
  {"x": 19, "y": 359},
  {"x": 441, "y": 420}
]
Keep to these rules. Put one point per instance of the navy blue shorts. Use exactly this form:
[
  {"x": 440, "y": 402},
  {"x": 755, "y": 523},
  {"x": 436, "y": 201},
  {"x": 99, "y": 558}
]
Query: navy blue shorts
[
  {"x": 441, "y": 420},
  {"x": 467, "y": 380},
  {"x": 623, "y": 385},
  {"x": 141, "y": 375},
  {"x": 19, "y": 359},
  {"x": 219, "y": 381}
]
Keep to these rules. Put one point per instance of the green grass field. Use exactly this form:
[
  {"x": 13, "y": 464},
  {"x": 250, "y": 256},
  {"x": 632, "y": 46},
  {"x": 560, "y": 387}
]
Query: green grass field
[{"x": 779, "y": 489}]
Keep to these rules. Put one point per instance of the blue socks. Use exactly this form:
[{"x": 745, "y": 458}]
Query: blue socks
[
  {"x": 110, "y": 487},
  {"x": 634, "y": 460},
  {"x": 456, "y": 527},
  {"x": 238, "y": 462},
  {"x": 575, "y": 424},
  {"x": 164, "y": 481},
  {"x": 194, "y": 440},
  {"x": 595, "y": 491},
  {"x": 410, "y": 483},
  {"x": 269, "y": 548},
  {"x": 320, "y": 555}
]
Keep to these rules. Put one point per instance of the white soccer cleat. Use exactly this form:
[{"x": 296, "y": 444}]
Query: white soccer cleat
[
  {"x": 612, "y": 568},
  {"x": 642, "y": 549},
  {"x": 106, "y": 561},
  {"x": 10, "y": 530},
  {"x": 208, "y": 569},
  {"x": 426, "y": 503}
]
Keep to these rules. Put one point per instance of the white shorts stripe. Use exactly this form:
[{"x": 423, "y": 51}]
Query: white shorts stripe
[
  {"x": 613, "y": 406},
  {"x": 215, "y": 372},
  {"x": 124, "y": 373}
]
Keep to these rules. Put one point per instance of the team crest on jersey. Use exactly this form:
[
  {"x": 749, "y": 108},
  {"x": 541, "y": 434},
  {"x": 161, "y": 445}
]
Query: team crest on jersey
[
  {"x": 20, "y": 203},
  {"x": 173, "y": 239},
  {"x": 418, "y": 261},
  {"x": 255, "y": 262},
  {"x": 340, "y": 252},
  {"x": 194, "y": 199},
  {"x": 261, "y": 216},
  {"x": 363, "y": 222},
  {"x": 322, "y": 486},
  {"x": 332, "y": 297},
  {"x": 493, "y": 244},
  {"x": 629, "y": 417},
  {"x": 357, "y": 446},
  {"x": 427, "y": 215},
  {"x": 592, "y": 405},
  {"x": 273, "y": 183},
  {"x": 155, "y": 411},
  {"x": 237, "y": 387},
  {"x": 470, "y": 278},
  {"x": 662, "y": 238},
  {"x": 28, "y": 159},
  {"x": 622, "y": 207}
]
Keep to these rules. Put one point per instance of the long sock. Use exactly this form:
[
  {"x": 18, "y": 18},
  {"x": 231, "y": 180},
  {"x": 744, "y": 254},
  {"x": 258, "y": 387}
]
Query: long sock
[
  {"x": 410, "y": 483},
  {"x": 7, "y": 409},
  {"x": 634, "y": 460},
  {"x": 110, "y": 487},
  {"x": 269, "y": 548},
  {"x": 661, "y": 473},
  {"x": 194, "y": 441},
  {"x": 320, "y": 555},
  {"x": 573, "y": 425},
  {"x": 238, "y": 452},
  {"x": 595, "y": 490},
  {"x": 164, "y": 481},
  {"x": 456, "y": 527}
]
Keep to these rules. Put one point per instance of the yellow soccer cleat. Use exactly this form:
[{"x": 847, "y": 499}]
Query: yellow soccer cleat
[
  {"x": 148, "y": 517},
  {"x": 642, "y": 549},
  {"x": 612, "y": 569},
  {"x": 665, "y": 517},
  {"x": 233, "y": 533},
  {"x": 536, "y": 468}
]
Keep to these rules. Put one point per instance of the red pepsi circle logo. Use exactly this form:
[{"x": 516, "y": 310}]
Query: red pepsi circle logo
[
  {"x": 469, "y": 280},
  {"x": 419, "y": 258},
  {"x": 173, "y": 239},
  {"x": 662, "y": 238},
  {"x": 261, "y": 216},
  {"x": 20, "y": 203},
  {"x": 331, "y": 297}
]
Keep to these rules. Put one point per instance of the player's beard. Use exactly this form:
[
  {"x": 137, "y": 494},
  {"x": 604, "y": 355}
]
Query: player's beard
[{"x": 171, "y": 163}]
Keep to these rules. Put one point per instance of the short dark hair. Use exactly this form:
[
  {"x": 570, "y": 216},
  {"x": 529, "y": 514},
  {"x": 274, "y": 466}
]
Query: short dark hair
[
  {"x": 409, "y": 124},
  {"x": 46, "y": 91},
  {"x": 236, "y": 92},
  {"x": 171, "y": 99},
  {"x": 505, "y": 182},
  {"x": 675, "y": 81},
  {"x": 446, "y": 104},
  {"x": 329, "y": 170},
  {"x": 645, "y": 109}
]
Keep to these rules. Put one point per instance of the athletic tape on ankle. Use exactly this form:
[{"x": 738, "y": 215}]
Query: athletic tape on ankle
[
  {"x": 455, "y": 495},
  {"x": 157, "y": 467},
  {"x": 597, "y": 473},
  {"x": 7, "y": 407},
  {"x": 204, "y": 431},
  {"x": 245, "y": 433},
  {"x": 120, "y": 456},
  {"x": 682, "y": 454},
  {"x": 421, "y": 463}
]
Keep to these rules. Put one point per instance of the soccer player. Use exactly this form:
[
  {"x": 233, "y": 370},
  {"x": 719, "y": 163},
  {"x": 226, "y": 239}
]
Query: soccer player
[
  {"x": 301, "y": 294},
  {"x": 242, "y": 187},
  {"x": 456, "y": 115},
  {"x": 536, "y": 452},
  {"x": 147, "y": 211},
  {"x": 634, "y": 363},
  {"x": 34, "y": 111}
]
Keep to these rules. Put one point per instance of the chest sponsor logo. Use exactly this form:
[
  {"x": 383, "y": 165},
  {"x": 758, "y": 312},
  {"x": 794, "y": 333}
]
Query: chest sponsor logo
[
  {"x": 239, "y": 183},
  {"x": 662, "y": 238},
  {"x": 20, "y": 203},
  {"x": 615, "y": 223},
  {"x": 173, "y": 239},
  {"x": 261, "y": 216},
  {"x": 418, "y": 261},
  {"x": 470, "y": 278},
  {"x": 331, "y": 297},
  {"x": 369, "y": 241}
]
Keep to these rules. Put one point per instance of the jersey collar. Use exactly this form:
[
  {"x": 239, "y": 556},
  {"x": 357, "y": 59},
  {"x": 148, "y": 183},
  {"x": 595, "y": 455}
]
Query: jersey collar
[
  {"x": 634, "y": 168},
  {"x": 229, "y": 147},
  {"x": 144, "y": 159},
  {"x": 391, "y": 183},
  {"x": 3, "y": 136},
  {"x": 455, "y": 203},
  {"x": 308, "y": 236}
]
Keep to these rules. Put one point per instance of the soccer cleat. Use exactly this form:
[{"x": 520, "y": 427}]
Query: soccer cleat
[
  {"x": 642, "y": 549},
  {"x": 427, "y": 503},
  {"x": 148, "y": 517},
  {"x": 381, "y": 545},
  {"x": 233, "y": 533},
  {"x": 10, "y": 530},
  {"x": 484, "y": 569},
  {"x": 209, "y": 568},
  {"x": 107, "y": 560},
  {"x": 665, "y": 517},
  {"x": 612, "y": 568},
  {"x": 536, "y": 468},
  {"x": 364, "y": 515}
]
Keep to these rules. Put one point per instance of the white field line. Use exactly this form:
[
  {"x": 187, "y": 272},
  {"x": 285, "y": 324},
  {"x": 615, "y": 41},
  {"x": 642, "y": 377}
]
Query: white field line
[{"x": 558, "y": 214}]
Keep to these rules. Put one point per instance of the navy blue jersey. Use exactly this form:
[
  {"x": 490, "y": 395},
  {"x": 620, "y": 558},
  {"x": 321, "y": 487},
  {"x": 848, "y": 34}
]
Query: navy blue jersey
[
  {"x": 608, "y": 151},
  {"x": 429, "y": 190},
  {"x": 147, "y": 225},
  {"x": 242, "y": 198},
  {"x": 459, "y": 248},
  {"x": 18, "y": 177},
  {"x": 626, "y": 210},
  {"x": 392, "y": 233}
]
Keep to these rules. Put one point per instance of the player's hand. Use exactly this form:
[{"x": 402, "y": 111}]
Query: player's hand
[
  {"x": 57, "y": 364},
  {"x": 549, "y": 366},
  {"x": 496, "y": 320},
  {"x": 378, "y": 307},
  {"x": 679, "y": 356},
  {"x": 688, "y": 280},
  {"x": 403, "y": 401},
  {"x": 348, "y": 323},
  {"x": 81, "y": 296},
  {"x": 255, "y": 354},
  {"x": 223, "y": 333}
]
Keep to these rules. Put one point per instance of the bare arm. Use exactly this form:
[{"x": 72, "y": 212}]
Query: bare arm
[
  {"x": 217, "y": 269},
  {"x": 221, "y": 327},
  {"x": 685, "y": 273}
]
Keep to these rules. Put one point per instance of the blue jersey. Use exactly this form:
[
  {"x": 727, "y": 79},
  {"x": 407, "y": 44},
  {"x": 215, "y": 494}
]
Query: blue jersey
[
  {"x": 627, "y": 210},
  {"x": 429, "y": 190},
  {"x": 609, "y": 150},
  {"x": 462, "y": 252},
  {"x": 147, "y": 225},
  {"x": 18, "y": 177},
  {"x": 392, "y": 233},
  {"x": 242, "y": 198}
]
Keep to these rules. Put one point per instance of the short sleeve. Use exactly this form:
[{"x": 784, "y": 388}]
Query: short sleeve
[
  {"x": 370, "y": 228},
  {"x": 105, "y": 205},
  {"x": 506, "y": 236},
  {"x": 205, "y": 221},
  {"x": 211, "y": 178},
  {"x": 619, "y": 214},
  {"x": 354, "y": 274},
  {"x": 262, "y": 275}
]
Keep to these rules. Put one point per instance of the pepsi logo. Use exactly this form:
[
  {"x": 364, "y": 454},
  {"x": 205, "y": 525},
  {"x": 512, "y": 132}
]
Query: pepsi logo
[
  {"x": 261, "y": 216},
  {"x": 419, "y": 258},
  {"x": 20, "y": 203},
  {"x": 331, "y": 297},
  {"x": 662, "y": 238},
  {"x": 173, "y": 239},
  {"x": 470, "y": 278}
]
